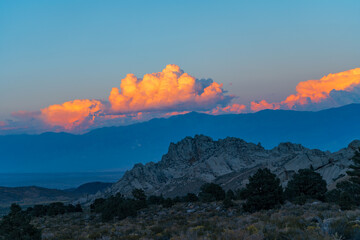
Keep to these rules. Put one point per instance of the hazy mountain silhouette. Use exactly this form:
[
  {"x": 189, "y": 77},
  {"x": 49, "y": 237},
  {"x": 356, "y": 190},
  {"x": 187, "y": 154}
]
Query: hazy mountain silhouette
[
  {"x": 31, "y": 195},
  {"x": 121, "y": 147}
]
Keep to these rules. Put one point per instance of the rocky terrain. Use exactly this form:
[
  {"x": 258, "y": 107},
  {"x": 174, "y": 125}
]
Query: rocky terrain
[{"x": 228, "y": 162}]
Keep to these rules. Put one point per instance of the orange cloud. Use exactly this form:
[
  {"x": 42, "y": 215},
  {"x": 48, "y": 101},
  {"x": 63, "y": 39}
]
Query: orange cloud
[
  {"x": 263, "y": 105},
  {"x": 315, "y": 91},
  {"x": 234, "y": 108},
  {"x": 2, "y": 124},
  {"x": 169, "y": 89},
  {"x": 137, "y": 99},
  {"x": 169, "y": 114},
  {"x": 72, "y": 114},
  {"x": 173, "y": 92},
  {"x": 318, "y": 90}
]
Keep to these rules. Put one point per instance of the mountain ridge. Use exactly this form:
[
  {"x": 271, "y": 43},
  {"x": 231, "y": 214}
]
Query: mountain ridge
[
  {"x": 121, "y": 147},
  {"x": 229, "y": 162}
]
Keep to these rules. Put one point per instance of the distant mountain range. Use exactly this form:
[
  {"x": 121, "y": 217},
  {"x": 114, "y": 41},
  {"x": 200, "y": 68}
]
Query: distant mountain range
[{"x": 121, "y": 147}]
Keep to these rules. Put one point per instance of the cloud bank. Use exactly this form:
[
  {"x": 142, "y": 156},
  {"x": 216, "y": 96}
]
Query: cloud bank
[
  {"x": 173, "y": 92},
  {"x": 162, "y": 94}
]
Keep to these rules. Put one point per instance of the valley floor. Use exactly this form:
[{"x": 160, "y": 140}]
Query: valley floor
[{"x": 209, "y": 221}]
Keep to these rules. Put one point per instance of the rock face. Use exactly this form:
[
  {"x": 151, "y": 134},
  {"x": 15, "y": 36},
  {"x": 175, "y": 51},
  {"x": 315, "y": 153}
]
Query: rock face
[{"x": 228, "y": 162}]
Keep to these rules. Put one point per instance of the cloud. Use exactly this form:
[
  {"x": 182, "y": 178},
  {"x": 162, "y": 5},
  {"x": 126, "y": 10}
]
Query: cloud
[
  {"x": 334, "y": 89},
  {"x": 165, "y": 93},
  {"x": 263, "y": 104},
  {"x": 26, "y": 115},
  {"x": 170, "y": 89},
  {"x": 72, "y": 114},
  {"x": 234, "y": 108}
]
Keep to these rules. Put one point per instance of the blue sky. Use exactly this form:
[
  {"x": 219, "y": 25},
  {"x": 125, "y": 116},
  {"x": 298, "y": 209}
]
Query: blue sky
[{"x": 56, "y": 51}]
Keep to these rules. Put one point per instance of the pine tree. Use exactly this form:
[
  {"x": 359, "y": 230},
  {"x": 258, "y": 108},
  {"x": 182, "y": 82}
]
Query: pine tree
[
  {"x": 347, "y": 193},
  {"x": 211, "y": 192},
  {"x": 263, "y": 191},
  {"x": 354, "y": 173},
  {"x": 16, "y": 226},
  {"x": 306, "y": 184}
]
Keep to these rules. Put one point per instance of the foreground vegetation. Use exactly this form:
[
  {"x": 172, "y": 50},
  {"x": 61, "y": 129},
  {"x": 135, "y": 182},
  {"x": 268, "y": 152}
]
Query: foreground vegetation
[
  {"x": 262, "y": 210},
  {"x": 201, "y": 220}
]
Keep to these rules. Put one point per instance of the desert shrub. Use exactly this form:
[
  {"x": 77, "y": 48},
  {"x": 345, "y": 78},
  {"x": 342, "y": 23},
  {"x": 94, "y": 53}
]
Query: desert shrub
[
  {"x": 139, "y": 194},
  {"x": 168, "y": 203},
  {"x": 262, "y": 192},
  {"x": 211, "y": 192},
  {"x": 116, "y": 206},
  {"x": 190, "y": 197},
  {"x": 53, "y": 209},
  {"x": 16, "y": 226},
  {"x": 332, "y": 196},
  {"x": 345, "y": 228},
  {"x": 140, "y": 197},
  {"x": 346, "y": 201},
  {"x": 306, "y": 184},
  {"x": 155, "y": 200},
  {"x": 342, "y": 195},
  {"x": 230, "y": 194},
  {"x": 228, "y": 203}
]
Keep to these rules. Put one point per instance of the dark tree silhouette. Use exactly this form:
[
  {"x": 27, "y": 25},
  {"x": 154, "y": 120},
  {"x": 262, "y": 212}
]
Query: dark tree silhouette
[
  {"x": 347, "y": 193},
  {"x": 306, "y": 184},
  {"x": 16, "y": 226},
  {"x": 211, "y": 192},
  {"x": 262, "y": 192}
]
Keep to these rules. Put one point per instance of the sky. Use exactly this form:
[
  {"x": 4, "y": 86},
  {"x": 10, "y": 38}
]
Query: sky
[{"x": 252, "y": 55}]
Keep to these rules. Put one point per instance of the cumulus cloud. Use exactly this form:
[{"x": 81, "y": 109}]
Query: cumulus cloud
[
  {"x": 72, "y": 114},
  {"x": 170, "y": 89},
  {"x": 334, "y": 89},
  {"x": 263, "y": 104},
  {"x": 234, "y": 108}
]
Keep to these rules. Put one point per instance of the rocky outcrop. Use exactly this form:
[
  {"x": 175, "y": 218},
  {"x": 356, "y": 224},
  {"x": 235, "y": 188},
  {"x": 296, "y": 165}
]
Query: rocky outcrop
[{"x": 228, "y": 162}]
